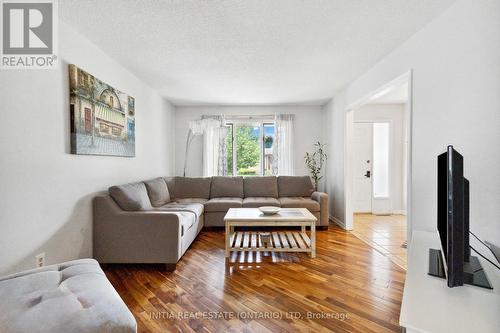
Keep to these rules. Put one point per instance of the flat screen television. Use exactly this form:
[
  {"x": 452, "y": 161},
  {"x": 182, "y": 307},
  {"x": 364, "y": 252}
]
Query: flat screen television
[{"x": 453, "y": 261}]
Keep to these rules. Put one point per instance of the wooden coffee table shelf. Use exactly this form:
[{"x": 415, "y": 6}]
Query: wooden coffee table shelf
[
  {"x": 290, "y": 241},
  {"x": 280, "y": 241}
]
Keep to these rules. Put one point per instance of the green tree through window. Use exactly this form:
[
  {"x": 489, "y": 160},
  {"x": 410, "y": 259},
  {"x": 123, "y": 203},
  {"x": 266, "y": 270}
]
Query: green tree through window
[
  {"x": 229, "y": 147},
  {"x": 248, "y": 151},
  {"x": 253, "y": 146}
]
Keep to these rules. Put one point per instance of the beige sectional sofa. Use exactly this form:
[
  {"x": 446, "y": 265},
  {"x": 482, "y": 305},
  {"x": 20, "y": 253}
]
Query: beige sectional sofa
[{"x": 156, "y": 221}]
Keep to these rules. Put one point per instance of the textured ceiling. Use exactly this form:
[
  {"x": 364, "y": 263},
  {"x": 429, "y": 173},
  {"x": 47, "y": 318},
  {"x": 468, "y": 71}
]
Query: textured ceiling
[{"x": 248, "y": 51}]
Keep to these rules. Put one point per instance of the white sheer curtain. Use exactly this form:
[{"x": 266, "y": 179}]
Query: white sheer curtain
[
  {"x": 214, "y": 146},
  {"x": 195, "y": 129},
  {"x": 283, "y": 145}
]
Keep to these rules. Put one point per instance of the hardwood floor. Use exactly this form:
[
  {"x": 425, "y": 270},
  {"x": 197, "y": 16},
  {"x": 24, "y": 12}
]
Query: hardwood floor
[
  {"x": 348, "y": 287},
  {"x": 384, "y": 233}
]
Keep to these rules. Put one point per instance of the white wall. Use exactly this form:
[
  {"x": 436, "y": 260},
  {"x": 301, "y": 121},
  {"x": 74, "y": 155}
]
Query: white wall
[
  {"x": 45, "y": 192},
  {"x": 308, "y": 124},
  {"x": 456, "y": 100},
  {"x": 334, "y": 138},
  {"x": 394, "y": 113}
]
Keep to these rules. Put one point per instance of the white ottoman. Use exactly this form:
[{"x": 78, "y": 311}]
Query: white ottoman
[{"x": 74, "y": 296}]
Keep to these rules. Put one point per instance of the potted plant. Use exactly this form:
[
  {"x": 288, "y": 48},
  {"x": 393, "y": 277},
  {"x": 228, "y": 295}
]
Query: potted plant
[
  {"x": 268, "y": 141},
  {"x": 315, "y": 161}
]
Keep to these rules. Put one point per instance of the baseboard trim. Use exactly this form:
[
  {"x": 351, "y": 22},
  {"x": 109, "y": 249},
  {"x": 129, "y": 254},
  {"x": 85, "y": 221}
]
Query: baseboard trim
[
  {"x": 337, "y": 222},
  {"x": 399, "y": 211}
]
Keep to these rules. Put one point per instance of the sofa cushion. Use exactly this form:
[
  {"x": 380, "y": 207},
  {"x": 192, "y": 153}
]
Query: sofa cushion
[
  {"x": 170, "y": 181},
  {"x": 133, "y": 196},
  {"x": 186, "y": 187},
  {"x": 157, "y": 191},
  {"x": 300, "y": 202},
  {"x": 260, "y": 187},
  {"x": 222, "y": 204},
  {"x": 195, "y": 208},
  {"x": 255, "y": 202},
  {"x": 74, "y": 296},
  {"x": 187, "y": 221},
  {"x": 192, "y": 200},
  {"x": 226, "y": 187},
  {"x": 295, "y": 186}
]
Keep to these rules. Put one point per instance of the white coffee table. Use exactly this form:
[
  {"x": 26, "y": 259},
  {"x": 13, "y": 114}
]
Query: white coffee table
[{"x": 280, "y": 241}]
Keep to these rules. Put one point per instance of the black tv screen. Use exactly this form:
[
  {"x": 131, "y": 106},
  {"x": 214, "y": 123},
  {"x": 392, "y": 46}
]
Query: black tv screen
[
  {"x": 453, "y": 261},
  {"x": 451, "y": 215}
]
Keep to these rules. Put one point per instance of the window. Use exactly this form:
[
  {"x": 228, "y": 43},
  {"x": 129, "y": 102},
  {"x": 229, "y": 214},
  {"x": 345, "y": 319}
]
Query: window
[
  {"x": 116, "y": 131},
  {"x": 380, "y": 160},
  {"x": 268, "y": 149},
  {"x": 83, "y": 79},
  {"x": 249, "y": 148},
  {"x": 103, "y": 128}
]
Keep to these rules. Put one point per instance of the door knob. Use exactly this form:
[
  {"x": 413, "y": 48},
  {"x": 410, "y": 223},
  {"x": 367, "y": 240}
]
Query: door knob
[{"x": 368, "y": 174}]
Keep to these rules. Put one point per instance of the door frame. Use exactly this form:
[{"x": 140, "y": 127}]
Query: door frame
[{"x": 407, "y": 77}]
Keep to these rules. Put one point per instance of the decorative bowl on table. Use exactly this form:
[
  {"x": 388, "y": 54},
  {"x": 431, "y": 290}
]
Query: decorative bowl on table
[{"x": 269, "y": 210}]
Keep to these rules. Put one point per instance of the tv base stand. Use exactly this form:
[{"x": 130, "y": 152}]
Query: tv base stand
[{"x": 473, "y": 271}]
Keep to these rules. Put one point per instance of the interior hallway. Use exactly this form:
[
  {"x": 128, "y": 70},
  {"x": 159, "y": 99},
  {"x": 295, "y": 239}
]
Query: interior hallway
[{"x": 385, "y": 234}]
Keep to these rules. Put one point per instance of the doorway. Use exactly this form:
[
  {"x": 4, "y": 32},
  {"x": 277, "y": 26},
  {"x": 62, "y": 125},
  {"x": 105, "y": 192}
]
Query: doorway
[
  {"x": 373, "y": 159},
  {"x": 88, "y": 121},
  {"x": 377, "y": 169}
]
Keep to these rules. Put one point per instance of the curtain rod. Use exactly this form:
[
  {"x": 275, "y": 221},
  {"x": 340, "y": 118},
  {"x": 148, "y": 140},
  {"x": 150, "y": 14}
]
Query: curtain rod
[
  {"x": 243, "y": 116},
  {"x": 246, "y": 116}
]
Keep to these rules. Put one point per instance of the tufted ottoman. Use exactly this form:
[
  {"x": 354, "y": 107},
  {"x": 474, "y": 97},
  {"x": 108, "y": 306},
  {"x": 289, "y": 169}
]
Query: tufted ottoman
[{"x": 74, "y": 296}]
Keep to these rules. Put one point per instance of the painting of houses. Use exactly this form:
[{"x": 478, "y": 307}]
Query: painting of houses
[{"x": 102, "y": 117}]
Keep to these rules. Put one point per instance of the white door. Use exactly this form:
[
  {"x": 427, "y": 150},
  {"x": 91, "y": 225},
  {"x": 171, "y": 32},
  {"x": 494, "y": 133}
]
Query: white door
[{"x": 363, "y": 145}]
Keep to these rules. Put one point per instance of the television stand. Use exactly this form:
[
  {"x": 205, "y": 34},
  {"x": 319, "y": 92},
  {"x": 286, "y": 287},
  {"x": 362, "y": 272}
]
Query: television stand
[
  {"x": 429, "y": 306},
  {"x": 473, "y": 271}
]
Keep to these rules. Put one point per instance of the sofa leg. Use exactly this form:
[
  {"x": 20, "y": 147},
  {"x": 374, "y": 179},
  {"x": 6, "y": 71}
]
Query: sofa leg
[
  {"x": 169, "y": 267},
  {"x": 322, "y": 227}
]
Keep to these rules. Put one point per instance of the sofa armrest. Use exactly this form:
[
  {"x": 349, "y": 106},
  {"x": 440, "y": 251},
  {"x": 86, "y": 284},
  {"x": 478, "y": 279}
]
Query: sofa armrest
[
  {"x": 134, "y": 236},
  {"x": 322, "y": 199}
]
